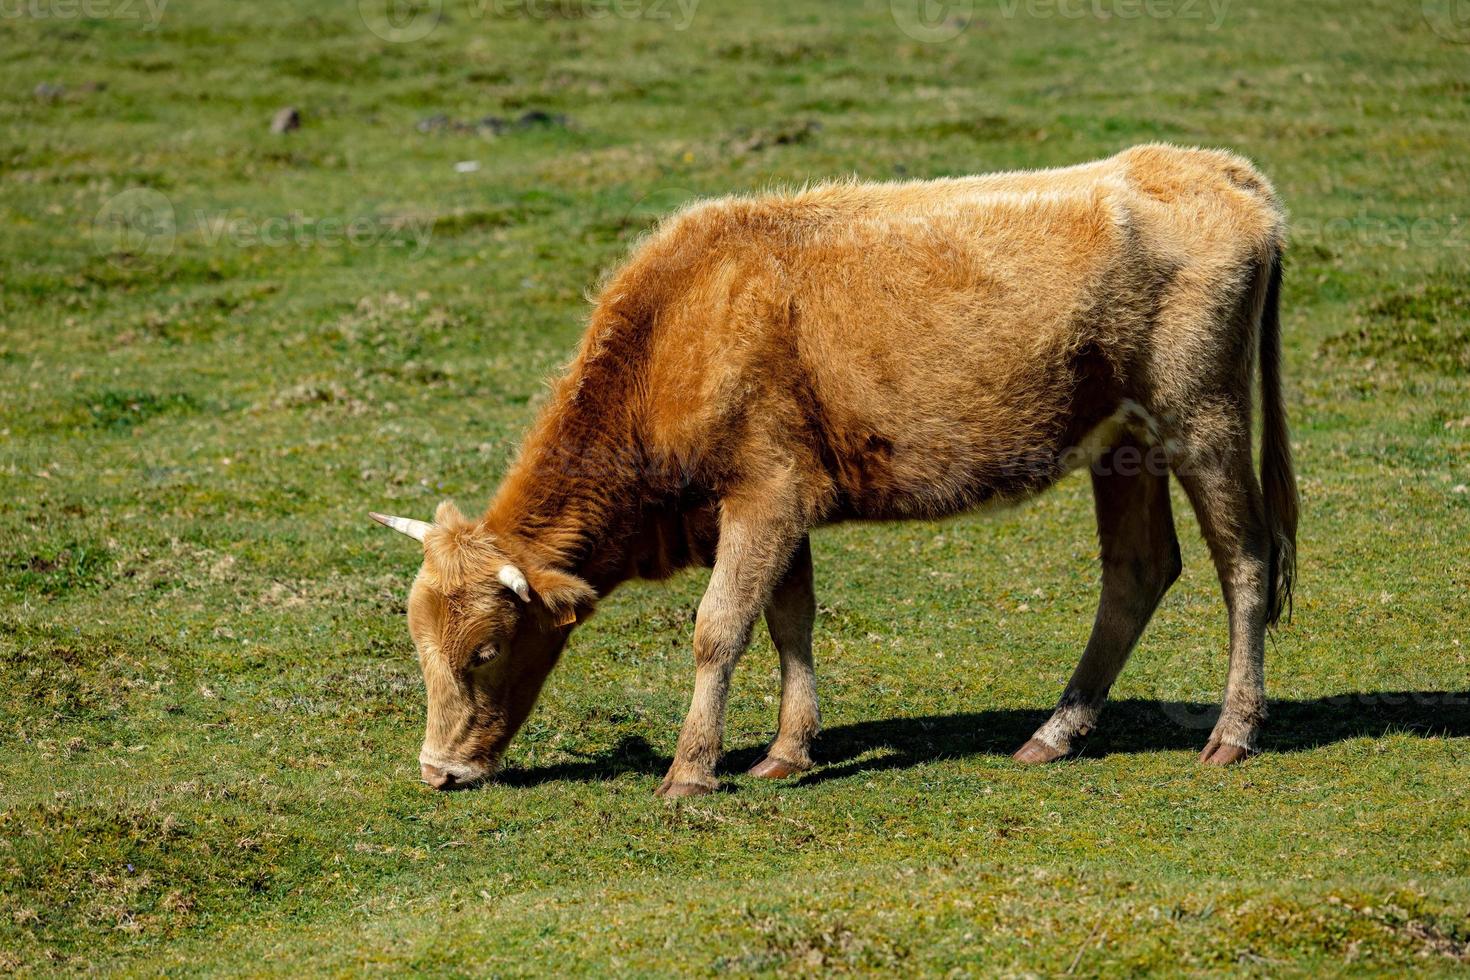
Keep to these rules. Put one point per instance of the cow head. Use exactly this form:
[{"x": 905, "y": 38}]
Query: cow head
[{"x": 489, "y": 623}]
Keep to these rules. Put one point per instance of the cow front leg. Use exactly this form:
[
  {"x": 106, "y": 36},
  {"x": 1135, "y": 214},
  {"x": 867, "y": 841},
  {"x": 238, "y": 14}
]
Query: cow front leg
[
  {"x": 1140, "y": 560},
  {"x": 789, "y": 618},
  {"x": 757, "y": 543}
]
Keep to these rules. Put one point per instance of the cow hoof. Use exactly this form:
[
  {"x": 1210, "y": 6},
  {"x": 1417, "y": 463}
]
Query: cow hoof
[
  {"x": 1217, "y": 753},
  {"x": 772, "y": 767},
  {"x": 1035, "y": 752},
  {"x": 671, "y": 790}
]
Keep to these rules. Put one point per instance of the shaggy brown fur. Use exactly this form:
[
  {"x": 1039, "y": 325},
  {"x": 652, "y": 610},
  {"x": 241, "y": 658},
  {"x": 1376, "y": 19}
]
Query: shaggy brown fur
[{"x": 763, "y": 365}]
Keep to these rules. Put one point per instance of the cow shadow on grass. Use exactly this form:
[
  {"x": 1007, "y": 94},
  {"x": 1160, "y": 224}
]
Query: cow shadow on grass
[{"x": 1128, "y": 726}]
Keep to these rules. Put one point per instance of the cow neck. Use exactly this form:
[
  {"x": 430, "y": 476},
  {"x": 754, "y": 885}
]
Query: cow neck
[{"x": 572, "y": 498}]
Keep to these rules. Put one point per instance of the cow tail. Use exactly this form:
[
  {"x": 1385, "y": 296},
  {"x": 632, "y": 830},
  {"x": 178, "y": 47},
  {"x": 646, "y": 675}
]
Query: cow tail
[{"x": 1278, "y": 476}]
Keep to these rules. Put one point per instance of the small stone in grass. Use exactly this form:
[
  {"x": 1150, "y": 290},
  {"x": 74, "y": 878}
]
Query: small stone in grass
[
  {"x": 286, "y": 120},
  {"x": 540, "y": 117}
]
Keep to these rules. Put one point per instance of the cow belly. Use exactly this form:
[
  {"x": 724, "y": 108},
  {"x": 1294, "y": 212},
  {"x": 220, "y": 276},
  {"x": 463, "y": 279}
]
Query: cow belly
[{"x": 934, "y": 465}]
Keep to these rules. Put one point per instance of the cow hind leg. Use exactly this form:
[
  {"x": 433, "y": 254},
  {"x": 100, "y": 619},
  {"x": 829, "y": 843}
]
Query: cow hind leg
[
  {"x": 1140, "y": 560},
  {"x": 789, "y": 617},
  {"x": 1227, "y": 500}
]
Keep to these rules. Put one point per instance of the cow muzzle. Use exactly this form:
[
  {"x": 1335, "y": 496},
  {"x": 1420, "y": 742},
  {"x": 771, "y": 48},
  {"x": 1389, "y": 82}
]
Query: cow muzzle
[
  {"x": 439, "y": 778},
  {"x": 451, "y": 776}
]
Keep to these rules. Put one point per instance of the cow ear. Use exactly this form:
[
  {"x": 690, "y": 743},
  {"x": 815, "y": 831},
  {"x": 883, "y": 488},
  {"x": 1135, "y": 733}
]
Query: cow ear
[
  {"x": 567, "y": 598},
  {"x": 448, "y": 515}
]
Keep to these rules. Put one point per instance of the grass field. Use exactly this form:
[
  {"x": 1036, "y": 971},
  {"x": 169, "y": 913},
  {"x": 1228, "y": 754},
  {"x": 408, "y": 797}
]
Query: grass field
[{"x": 221, "y": 346}]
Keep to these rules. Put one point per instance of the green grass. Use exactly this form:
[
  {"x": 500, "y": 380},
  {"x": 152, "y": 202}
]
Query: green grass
[{"x": 209, "y": 703}]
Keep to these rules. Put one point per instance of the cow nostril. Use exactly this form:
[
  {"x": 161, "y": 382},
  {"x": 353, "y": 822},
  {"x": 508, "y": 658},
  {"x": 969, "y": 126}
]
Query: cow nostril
[{"x": 436, "y": 777}]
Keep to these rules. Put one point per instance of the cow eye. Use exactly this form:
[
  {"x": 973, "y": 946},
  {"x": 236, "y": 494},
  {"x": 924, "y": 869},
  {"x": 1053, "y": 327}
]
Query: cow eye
[{"x": 487, "y": 653}]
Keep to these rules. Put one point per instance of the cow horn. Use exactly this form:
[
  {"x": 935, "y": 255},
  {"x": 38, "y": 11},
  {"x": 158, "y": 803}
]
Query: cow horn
[
  {"x": 515, "y": 580},
  {"x": 412, "y": 528}
]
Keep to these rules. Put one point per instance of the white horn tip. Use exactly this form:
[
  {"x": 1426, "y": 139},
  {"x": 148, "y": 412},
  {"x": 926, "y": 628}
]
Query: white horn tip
[
  {"x": 515, "y": 580},
  {"x": 403, "y": 525}
]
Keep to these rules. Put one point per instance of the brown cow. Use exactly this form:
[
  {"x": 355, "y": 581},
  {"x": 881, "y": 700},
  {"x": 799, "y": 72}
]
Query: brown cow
[{"x": 763, "y": 365}]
